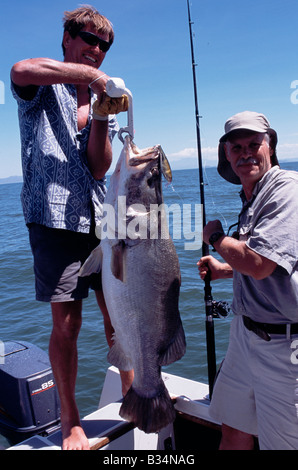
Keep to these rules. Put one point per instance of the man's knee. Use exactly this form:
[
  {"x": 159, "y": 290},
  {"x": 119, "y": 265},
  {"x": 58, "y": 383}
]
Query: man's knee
[{"x": 67, "y": 319}]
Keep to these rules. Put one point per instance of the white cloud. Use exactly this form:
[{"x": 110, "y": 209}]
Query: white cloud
[
  {"x": 189, "y": 156},
  {"x": 185, "y": 153},
  {"x": 287, "y": 151}
]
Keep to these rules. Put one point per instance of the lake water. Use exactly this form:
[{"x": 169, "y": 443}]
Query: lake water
[{"x": 23, "y": 318}]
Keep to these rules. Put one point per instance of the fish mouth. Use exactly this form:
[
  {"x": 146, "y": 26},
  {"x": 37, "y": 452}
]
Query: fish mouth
[{"x": 137, "y": 157}]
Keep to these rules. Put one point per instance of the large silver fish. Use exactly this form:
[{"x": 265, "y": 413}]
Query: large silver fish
[{"x": 141, "y": 283}]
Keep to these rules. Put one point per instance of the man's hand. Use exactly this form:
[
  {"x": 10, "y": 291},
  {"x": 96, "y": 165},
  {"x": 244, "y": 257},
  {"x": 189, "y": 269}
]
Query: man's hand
[
  {"x": 107, "y": 105},
  {"x": 217, "y": 269}
]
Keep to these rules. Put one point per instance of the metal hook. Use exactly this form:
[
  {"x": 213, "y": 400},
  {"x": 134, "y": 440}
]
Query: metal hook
[
  {"x": 115, "y": 88},
  {"x": 129, "y": 128}
]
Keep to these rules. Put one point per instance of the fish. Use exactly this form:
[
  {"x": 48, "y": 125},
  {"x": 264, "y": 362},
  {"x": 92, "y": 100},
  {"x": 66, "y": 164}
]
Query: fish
[{"x": 141, "y": 283}]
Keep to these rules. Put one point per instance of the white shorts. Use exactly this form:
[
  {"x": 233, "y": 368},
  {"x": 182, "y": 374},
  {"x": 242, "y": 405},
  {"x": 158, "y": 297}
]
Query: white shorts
[{"x": 257, "y": 388}]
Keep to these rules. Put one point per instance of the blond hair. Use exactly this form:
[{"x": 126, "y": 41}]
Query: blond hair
[{"x": 74, "y": 21}]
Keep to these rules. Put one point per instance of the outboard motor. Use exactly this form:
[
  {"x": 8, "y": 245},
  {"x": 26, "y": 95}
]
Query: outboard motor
[{"x": 29, "y": 402}]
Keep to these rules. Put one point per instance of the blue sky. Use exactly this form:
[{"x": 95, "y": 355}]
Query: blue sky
[{"x": 246, "y": 53}]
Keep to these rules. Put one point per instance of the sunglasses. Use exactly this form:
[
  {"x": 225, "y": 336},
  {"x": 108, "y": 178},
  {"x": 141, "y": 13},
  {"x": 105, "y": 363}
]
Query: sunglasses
[{"x": 94, "y": 40}]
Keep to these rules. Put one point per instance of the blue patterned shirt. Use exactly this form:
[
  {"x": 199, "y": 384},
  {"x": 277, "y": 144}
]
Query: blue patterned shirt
[{"x": 59, "y": 190}]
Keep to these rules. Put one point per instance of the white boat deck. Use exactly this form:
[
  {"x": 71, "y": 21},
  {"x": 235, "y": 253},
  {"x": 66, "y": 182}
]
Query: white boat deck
[{"x": 106, "y": 430}]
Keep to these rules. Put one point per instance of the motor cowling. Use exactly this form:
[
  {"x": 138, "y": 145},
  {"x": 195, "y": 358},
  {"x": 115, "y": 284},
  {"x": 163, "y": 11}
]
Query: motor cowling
[{"x": 29, "y": 402}]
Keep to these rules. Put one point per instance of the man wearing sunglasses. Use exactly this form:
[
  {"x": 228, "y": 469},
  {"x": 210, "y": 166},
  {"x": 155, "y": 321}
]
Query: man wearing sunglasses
[
  {"x": 66, "y": 152},
  {"x": 255, "y": 393}
]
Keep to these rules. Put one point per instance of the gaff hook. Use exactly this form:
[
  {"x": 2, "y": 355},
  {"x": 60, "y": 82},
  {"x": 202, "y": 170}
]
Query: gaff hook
[{"x": 115, "y": 88}]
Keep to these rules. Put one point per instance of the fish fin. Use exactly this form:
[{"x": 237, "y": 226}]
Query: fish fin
[
  {"x": 93, "y": 263},
  {"x": 165, "y": 165},
  {"x": 118, "y": 261},
  {"x": 150, "y": 414},
  {"x": 118, "y": 358},
  {"x": 176, "y": 349}
]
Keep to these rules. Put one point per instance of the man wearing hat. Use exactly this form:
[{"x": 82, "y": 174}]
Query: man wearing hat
[{"x": 256, "y": 392}]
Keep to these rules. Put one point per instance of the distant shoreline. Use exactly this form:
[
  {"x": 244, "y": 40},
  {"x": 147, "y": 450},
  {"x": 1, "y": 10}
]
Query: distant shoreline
[
  {"x": 11, "y": 179},
  {"x": 19, "y": 179}
]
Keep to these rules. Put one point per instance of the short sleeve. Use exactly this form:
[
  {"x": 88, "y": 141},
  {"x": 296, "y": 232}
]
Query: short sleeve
[{"x": 274, "y": 234}]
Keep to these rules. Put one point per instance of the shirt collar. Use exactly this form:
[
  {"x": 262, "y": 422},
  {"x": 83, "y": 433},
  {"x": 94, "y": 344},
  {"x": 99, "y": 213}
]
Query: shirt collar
[{"x": 268, "y": 175}]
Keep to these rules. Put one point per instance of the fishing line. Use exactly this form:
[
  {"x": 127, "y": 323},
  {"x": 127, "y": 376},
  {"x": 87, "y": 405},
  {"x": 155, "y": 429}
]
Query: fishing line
[
  {"x": 202, "y": 167},
  {"x": 215, "y": 207},
  {"x": 212, "y": 197},
  {"x": 171, "y": 186}
]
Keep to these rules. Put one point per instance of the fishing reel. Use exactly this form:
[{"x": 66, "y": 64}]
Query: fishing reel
[{"x": 220, "y": 309}]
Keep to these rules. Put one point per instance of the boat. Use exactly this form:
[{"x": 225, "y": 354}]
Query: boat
[{"x": 193, "y": 429}]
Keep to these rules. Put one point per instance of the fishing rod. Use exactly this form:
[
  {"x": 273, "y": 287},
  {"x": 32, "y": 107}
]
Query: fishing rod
[{"x": 209, "y": 303}]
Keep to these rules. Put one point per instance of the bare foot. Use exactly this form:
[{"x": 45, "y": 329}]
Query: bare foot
[{"x": 75, "y": 439}]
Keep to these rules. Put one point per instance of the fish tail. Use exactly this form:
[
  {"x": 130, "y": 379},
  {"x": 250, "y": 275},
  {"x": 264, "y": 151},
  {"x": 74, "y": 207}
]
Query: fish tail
[{"x": 150, "y": 414}]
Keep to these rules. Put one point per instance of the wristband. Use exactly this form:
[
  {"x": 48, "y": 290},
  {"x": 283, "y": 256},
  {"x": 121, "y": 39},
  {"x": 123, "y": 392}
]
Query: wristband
[
  {"x": 214, "y": 238},
  {"x": 98, "y": 78},
  {"x": 99, "y": 117}
]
